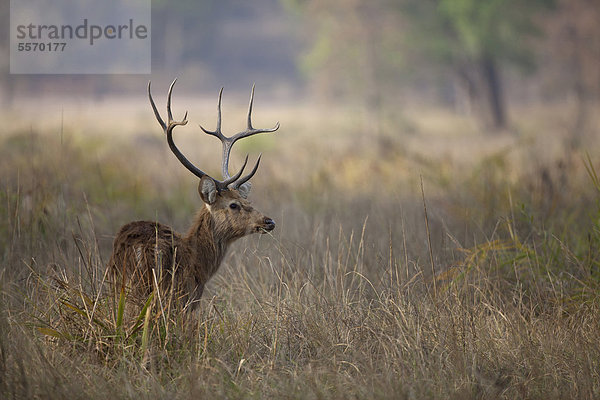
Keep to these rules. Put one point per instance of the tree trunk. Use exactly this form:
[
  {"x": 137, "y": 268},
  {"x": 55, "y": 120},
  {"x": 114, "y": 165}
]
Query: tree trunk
[{"x": 493, "y": 85}]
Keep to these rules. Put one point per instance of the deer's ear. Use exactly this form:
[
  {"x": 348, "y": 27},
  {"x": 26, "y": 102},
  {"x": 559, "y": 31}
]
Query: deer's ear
[
  {"x": 244, "y": 190},
  {"x": 207, "y": 190}
]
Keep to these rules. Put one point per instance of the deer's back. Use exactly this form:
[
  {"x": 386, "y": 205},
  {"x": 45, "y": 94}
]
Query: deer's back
[{"x": 143, "y": 250}]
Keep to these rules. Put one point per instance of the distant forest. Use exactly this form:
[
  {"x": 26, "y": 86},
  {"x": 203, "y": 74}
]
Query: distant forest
[{"x": 476, "y": 56}]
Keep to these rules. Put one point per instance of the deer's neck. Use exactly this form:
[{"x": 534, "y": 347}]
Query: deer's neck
[{"x": 207, "y": 247}]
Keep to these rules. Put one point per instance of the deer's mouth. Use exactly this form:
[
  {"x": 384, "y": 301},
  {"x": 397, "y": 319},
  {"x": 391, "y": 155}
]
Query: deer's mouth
[{"x": 267, "y": 226}]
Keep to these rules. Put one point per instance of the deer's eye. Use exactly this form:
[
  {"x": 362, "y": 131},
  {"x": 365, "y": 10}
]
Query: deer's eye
[{"x": 234, "y": 206}]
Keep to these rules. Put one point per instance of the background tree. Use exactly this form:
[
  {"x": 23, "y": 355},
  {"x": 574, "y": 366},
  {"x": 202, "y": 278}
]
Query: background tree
[{"x": 485, "y": 35}]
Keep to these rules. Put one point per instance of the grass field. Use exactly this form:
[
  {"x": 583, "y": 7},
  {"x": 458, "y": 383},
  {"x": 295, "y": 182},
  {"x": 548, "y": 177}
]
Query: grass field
[{"x": 424, "y": 259}]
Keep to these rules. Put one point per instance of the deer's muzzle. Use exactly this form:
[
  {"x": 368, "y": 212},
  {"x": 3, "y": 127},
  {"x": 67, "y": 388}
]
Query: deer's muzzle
[{"x": 268, "y": 225}]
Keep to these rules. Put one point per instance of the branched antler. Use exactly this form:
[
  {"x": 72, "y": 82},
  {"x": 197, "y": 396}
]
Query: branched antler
[{"x": 228, "y": 142}]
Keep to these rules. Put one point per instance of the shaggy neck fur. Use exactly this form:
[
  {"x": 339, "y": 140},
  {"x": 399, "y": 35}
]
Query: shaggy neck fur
[{"x": 208, "y": 244}]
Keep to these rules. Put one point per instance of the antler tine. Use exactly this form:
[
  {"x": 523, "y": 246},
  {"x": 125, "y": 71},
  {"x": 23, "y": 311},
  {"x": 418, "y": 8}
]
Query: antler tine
[
  {"x": 217, "y": 132},
  {"x": 250, "y": 129},
  {"x": 156, "y": 113},
  {"x": 250, "y": 175},
  {"x": 250, "y": 107},
  {"x": 226, "y": 182},
  {"x": 169, "y": 115}
]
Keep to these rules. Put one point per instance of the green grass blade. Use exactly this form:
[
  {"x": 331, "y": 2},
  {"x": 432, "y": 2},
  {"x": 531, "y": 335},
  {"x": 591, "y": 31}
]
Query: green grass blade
[
  {"x": 591, "y": 170},
  {"x": 51, "y": 332},
  {"x": 141, "y": 317},
  {"x": 146, "y": 333}
]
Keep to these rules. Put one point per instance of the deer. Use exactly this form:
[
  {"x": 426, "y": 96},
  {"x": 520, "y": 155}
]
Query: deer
[{"x": 149, "y": 255}]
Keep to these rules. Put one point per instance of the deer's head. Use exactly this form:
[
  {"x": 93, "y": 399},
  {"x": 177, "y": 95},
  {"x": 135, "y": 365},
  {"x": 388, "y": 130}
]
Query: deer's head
[
  {"x": 233, "y": 215},
  {"x": 225, "y": 199}
]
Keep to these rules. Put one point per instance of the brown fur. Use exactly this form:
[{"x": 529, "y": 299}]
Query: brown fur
[{"x": 143, "y": 250}]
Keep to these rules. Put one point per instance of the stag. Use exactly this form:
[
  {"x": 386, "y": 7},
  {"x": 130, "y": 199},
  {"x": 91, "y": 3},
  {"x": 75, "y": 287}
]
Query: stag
[{"x": 149, "y": 255}]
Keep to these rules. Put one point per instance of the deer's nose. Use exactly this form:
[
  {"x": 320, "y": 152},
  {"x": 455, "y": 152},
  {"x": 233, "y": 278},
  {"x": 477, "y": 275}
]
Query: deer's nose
[{"x": 269, "y": 224}]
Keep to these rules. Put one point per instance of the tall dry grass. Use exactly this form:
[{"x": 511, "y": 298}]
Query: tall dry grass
[{"x": 481, "y": 283}]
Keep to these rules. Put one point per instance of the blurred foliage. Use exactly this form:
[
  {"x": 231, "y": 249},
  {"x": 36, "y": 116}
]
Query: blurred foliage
[
  {"x": 502, "y": 28},
  {"x": 359, "y": 49}
]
